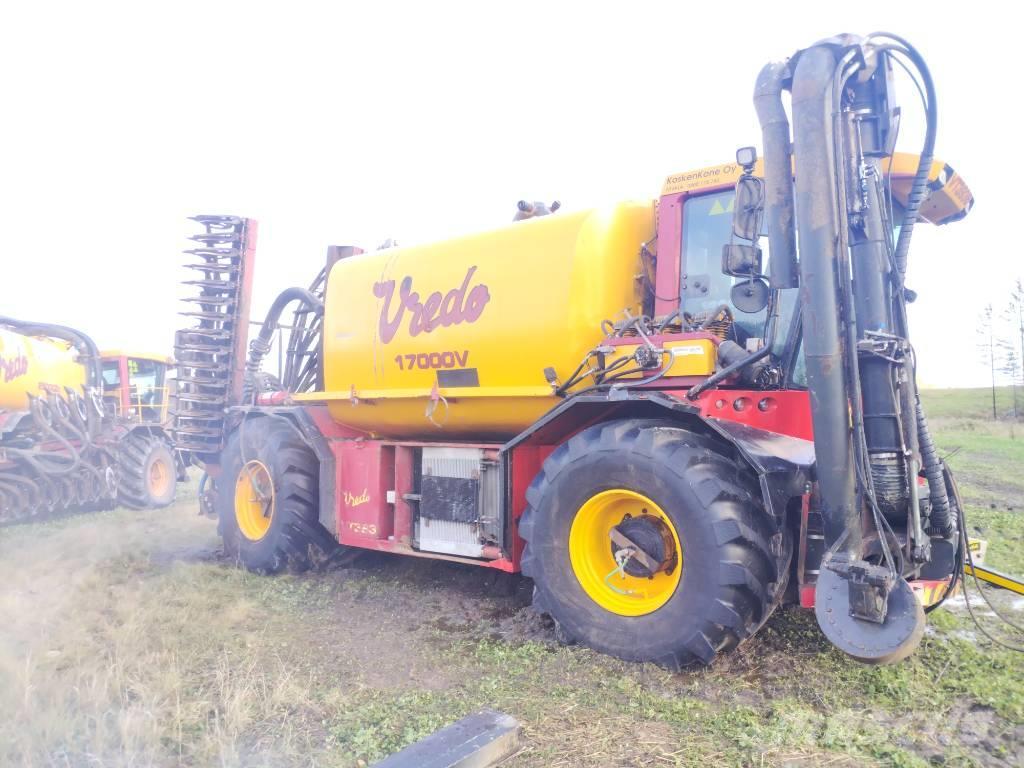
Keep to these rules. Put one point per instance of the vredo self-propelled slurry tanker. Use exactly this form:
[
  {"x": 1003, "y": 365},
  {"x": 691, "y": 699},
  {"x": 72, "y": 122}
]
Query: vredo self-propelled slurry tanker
[{"x": 670, "y": 433}]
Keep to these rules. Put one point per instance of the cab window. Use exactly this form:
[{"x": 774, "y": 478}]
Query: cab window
[{"x": 707, "y": 226}]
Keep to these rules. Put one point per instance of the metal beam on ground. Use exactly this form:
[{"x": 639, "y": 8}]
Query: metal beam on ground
[{"x": 479, "y": 740}]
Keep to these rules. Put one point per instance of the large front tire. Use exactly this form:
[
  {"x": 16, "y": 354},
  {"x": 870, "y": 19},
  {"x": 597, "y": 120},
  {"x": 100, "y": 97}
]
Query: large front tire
[
  {"x": 696, "y": 509},
  {"x": 268, "y": 498}
]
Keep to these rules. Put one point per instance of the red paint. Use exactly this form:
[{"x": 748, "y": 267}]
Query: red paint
[
  {"x": 243, "y": 306},
  {"x": 272, "y": 398},
  {"x": 670, "y": 238},
  {"x": 364, "y": 475},
  {"x": 667, "y": 278},
  {"x": 807, "y": 595},
  {"x": 784, "y": 411},
  {"x": 918, "y": 585},
  {"x": 125, "y": 385},
  {"x": 526, "y": 461},
  {"x": 455, "y": 307}
]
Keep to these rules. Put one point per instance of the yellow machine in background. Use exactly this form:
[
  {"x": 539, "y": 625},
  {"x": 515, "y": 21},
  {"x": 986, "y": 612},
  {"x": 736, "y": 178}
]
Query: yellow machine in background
[
  {"x": 80, "y": 428},
  {"x": 29, "y": 364}
]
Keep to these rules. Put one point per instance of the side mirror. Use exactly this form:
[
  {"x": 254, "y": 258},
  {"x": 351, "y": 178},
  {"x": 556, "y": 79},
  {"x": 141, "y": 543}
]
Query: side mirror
[
  {"x": 748, "y": 208},
  {"x": 744, "y": 259},
  {"x": 740, "y": 260}
]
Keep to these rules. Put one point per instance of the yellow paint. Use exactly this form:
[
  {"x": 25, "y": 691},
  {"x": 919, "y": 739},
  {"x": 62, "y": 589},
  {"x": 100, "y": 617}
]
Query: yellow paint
[
  {"x": 996, "y": 578},
  {"x": 590, "y": 554},
  {"x": 706, "y": 178},
  {"x": 356, "y": 500},
  {"x": 254, "y": 500},
  {"x": 978, "y": 549},
  {"x": 930, "y": 593},
  {"x": 29, "y": 364},
  {"x": 547, "y": 284},
  {"x": 685, "y": 358},
  {"x": 159, "y": 478},
  {"x": 363, "y": 529}
]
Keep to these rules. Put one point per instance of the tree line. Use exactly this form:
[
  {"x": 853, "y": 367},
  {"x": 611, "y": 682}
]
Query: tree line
[{"x": 1001, "y": 345}]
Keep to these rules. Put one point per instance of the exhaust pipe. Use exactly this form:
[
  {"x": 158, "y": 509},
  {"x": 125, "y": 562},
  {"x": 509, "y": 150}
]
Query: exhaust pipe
[
  {"x": 819, "y": 260},
  {"x": 778, "y": 175},
  {"x": 865, "y": 607}
]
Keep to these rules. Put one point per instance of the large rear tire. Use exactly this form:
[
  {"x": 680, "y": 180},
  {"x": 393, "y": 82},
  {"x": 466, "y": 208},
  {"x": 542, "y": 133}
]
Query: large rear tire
[
  {"x": 267, "y": 499},
  {"x": 147, "y": 472},
  {"x": 689, "y": 505}
]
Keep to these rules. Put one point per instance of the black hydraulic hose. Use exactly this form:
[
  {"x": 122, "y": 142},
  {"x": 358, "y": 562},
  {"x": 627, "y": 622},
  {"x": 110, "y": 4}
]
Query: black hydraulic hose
[
  {"x": 941, "y": 519},
  {"x": 80, "y": 341},
  {"x": 958, "y": 568},
  {"x": 728, "y": 371},
  {"x": 919, "y": 187},
  {"x": 260, "y": 346}
]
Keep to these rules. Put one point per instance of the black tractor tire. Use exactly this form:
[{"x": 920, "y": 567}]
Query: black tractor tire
[
  {"x": 295, "y": 539},
  {"x": 147, "y": 472},
  {"x": 730, "y": 582}
]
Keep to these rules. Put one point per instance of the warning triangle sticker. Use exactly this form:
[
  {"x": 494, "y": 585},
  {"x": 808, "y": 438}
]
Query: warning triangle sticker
[{"x": 717, "y": 209}]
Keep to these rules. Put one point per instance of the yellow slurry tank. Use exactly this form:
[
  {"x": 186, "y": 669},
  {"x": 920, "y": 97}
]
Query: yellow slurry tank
[
  {"x": 29, "y": 363},
  {"x": 454, "y": 337}
]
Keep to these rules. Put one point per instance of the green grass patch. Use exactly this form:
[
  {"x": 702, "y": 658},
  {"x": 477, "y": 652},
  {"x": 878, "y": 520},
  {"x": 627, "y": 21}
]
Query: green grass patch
[{"x": 971, "y": 403}]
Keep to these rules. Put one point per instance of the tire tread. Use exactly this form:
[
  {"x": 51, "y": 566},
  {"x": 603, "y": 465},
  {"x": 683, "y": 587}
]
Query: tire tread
[{"x": 725, "y": 490}]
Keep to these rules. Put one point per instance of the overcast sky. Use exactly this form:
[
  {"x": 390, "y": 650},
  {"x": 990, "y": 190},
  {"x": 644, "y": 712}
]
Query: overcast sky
[{"x": 339, "y": 125}]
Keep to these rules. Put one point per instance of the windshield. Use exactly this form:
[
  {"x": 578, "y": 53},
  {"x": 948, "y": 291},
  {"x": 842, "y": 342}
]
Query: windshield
[{"x": 146, "y": 385}]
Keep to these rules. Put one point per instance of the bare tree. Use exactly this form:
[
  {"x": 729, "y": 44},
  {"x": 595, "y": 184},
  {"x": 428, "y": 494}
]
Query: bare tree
[
  {"x": 1015, "y": 315},
  {"x": 987, "y": 348},
  {"x": 1011, "y": 367}
]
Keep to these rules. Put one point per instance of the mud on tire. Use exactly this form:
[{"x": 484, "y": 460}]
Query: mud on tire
[
  {"x": 147, "y": 472},
  {"x": 730, "y": 582},
  {"x": 295, "y": 539}
]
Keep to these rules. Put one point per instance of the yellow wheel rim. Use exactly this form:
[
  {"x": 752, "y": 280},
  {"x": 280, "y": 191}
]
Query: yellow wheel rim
[
  {"x": 593, "y": 562},
  {"x": 254, "y": 500},
  {"x": 159, "y": 478}
]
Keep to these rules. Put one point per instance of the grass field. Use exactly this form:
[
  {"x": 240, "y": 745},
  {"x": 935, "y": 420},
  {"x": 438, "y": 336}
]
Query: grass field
[
  {"x": 973, "y": 403},
  {"x": 126, "y": 640}
]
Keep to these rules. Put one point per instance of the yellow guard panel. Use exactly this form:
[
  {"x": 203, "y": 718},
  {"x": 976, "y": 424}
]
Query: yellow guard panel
[
  {"x": 454, "y": 337},
  {"x": 30, "y": 363}
]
